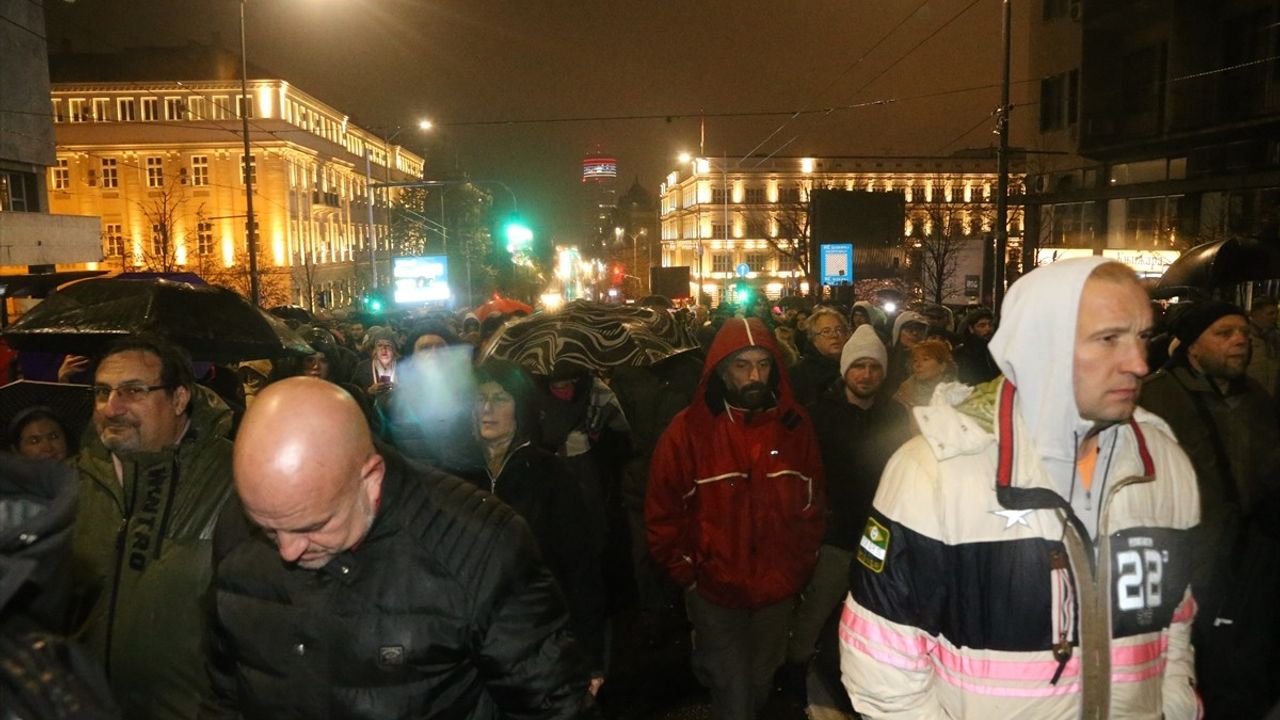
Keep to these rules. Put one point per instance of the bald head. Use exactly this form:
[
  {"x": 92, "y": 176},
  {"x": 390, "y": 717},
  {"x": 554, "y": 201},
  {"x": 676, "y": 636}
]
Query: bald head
[{"x": 306, "y": 469}]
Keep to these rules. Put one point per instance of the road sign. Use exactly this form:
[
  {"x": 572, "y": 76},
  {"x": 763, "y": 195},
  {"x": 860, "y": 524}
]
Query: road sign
[
  {"x": 742, "y": 269},
  {"x": 837, "y": 264}
]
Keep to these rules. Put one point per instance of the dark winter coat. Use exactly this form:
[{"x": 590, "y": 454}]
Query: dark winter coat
[
  {"x": 42, "y": 673},
  {"x": 812, "y": 376},
  {"x": 538, "y": 486},
  {"x": 736, "y": 498},
  {"x": 974, "y": 362},
  {"x": 856, "y": 444},
  {"x": 443, "y": 610},
  {"x": 143, "y": 553},
  {"x": 1234, "y": 444}
]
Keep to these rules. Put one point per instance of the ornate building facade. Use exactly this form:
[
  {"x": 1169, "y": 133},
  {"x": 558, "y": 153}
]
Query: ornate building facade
[
  {"x": 160, "y": 163},
  {"x": 721, "y": 218}
]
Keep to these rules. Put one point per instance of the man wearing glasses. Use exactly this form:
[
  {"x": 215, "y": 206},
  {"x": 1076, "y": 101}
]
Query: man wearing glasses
[{"x": 153, "y": 479}]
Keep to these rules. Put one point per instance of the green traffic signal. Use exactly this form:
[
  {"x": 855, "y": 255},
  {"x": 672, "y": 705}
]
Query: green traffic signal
[
  {"x": 518, "y": 235},
  {"x": 741, "y": 293}
]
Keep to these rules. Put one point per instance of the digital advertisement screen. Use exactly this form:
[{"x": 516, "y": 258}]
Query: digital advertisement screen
[{"x": 421, "y": 279}]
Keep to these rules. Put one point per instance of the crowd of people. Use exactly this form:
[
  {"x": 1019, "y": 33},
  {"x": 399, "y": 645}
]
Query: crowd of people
[{"x": 910, "y": 515}]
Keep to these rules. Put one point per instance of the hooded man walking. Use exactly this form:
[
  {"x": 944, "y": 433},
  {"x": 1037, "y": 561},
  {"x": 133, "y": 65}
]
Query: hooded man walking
[
  {"x": 734, "y": 513},
  {"x": 1028, "y": 555}
]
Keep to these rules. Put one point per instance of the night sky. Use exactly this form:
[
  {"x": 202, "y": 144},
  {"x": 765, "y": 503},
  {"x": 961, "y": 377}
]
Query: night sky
[{"x": 494, "y": 74}]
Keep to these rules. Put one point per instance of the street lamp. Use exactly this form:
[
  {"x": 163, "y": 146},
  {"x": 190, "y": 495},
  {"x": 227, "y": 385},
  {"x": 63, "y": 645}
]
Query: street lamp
[
  {"x": 621, "y": 233},
  {"x": 423, "y": 125},
  {"x": 250, "y": 224}
]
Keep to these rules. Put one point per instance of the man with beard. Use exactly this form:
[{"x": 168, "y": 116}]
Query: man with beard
[
  {"x": 153, "y": 479},
  {"x": 858, "y": 430},
  {"x": 1225, "y": 422},
  {"x": 734, "y": 513}
]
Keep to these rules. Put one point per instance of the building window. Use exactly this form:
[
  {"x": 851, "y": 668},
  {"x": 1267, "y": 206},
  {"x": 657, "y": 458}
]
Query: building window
[
  {"x": 1073, "y": 96},
  {"x": 150, "y": 109},
  {"x": 1151, "y": 222},
  {"x": 58, "y": 115},
  {"x": 195, "y": 107},
  {"x": 253, "y": 169},
  {"x": 219, "y": 107},
  {"x": 158, "y": 240},
  {"x": 754, "y": 196},
  {"x": 126, "y": 110},
  {"x": 174, "y": 108},
  {"x": 18, "y": 192},
  {"x": 112, "y": 240},
  {"x": 1052, "y": 91},
  {"x": 241, "y": 105},
  {"x": 721, "y": 262},
  {"x": 204, "y": 238},
  {"x": 155, "y": 172},
  {"x": 757, "y": 261},
  {"x": 61, "y": 175},
  {"x": 717, "y": 195},
  {"x": 101, "y": 109},
  {"x": 789, "y": 195},
  {"x": 110, "y": 173},
  {"x": 199, "y": 170},
  {"x": 78, "y": 110}
]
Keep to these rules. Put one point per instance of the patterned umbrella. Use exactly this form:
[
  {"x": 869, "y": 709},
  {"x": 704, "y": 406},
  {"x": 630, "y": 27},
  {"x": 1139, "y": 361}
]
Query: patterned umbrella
[{"x": 590, "y": 335}]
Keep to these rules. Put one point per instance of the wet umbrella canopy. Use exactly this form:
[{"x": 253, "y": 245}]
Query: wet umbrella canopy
[
  {"x": 590, "y": 335},
  {"x": 211, "y": 323},
  {"x": 1218, "y": 264}
]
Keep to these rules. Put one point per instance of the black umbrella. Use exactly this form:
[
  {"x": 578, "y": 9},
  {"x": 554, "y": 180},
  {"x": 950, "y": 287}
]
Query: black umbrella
[
  {"x": 1219, "y": 264},
  {"x": 590, "y": 335},
  {"x": 213, "y": 324},
  {"x": 73, "y": 404}
]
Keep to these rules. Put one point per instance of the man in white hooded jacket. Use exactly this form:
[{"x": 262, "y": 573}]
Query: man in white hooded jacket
[{"x": 1027, "y": 555}]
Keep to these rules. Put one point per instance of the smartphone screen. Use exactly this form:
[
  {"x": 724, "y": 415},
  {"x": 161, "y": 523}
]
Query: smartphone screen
[{"x": 384, "y": 378}]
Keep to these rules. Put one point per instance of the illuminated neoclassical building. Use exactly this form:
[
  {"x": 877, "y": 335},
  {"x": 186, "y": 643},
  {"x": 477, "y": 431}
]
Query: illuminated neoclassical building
[
  {"x": 160, "y": 164},
  {"x": 748, "y": 212}
]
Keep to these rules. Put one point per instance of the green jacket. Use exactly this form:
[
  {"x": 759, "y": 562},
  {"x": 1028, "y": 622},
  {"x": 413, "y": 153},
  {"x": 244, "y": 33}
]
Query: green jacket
[{"x": 143, "y": 555}]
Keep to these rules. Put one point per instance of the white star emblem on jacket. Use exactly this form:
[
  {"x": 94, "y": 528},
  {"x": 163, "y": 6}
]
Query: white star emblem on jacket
[{"x": 1013, "y": 517}]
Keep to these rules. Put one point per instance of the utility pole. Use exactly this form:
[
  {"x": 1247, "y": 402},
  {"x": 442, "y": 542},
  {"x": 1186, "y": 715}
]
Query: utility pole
[{"x": 1002, "y": 163}]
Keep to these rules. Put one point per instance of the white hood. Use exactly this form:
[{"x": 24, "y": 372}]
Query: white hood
[{"x": 1035, "y": 349}]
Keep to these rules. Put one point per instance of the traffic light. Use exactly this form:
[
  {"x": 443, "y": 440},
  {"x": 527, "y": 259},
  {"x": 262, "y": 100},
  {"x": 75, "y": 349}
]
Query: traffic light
[
  {"x": 518, "y": 235},
  {"x": 741, "y": 293},
  {"x": 617, "y": 273},
  {"x": 373, "y": 304}
]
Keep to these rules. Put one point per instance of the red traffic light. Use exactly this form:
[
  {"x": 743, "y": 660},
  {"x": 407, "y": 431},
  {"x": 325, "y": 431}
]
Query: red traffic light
[{"x": 617, "y": 273}]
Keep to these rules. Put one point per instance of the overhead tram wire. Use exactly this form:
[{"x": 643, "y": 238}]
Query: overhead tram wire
[
  {"x": 899, "y": 59},
  {"x": 848, "y": 68}
]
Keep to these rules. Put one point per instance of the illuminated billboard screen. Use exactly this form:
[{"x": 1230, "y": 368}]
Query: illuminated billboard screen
[
  {"x": 420, "y": 279},
  {"x": 596, "y": 169}
]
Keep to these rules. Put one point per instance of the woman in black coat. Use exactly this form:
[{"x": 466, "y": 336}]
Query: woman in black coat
[{"x": 537, "y": 485}]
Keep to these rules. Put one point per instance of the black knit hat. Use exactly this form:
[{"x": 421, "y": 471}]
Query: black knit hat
[{"x": 1191, "y": 323}]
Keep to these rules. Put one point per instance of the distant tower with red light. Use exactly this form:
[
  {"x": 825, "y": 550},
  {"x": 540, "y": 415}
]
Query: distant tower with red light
[{"x": 600, "y": 195}]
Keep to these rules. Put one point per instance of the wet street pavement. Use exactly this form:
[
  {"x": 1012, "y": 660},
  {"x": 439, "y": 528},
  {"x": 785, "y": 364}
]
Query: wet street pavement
[{"x": 651, "y": 678}]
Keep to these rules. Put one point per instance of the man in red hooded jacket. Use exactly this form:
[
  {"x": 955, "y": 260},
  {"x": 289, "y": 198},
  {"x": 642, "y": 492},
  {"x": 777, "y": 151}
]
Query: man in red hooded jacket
[{"x": 734, "y": 512}]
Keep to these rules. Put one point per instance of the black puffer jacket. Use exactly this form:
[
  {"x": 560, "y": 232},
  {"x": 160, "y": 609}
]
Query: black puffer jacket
[
  {"x": 444, "y": 610},
  {"x": 42, "y": 674}
]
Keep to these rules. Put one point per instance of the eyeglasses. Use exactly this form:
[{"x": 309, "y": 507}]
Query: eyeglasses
[
  {"x": 833, "y": 332},
  {"x": 129, "y": 392}
]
